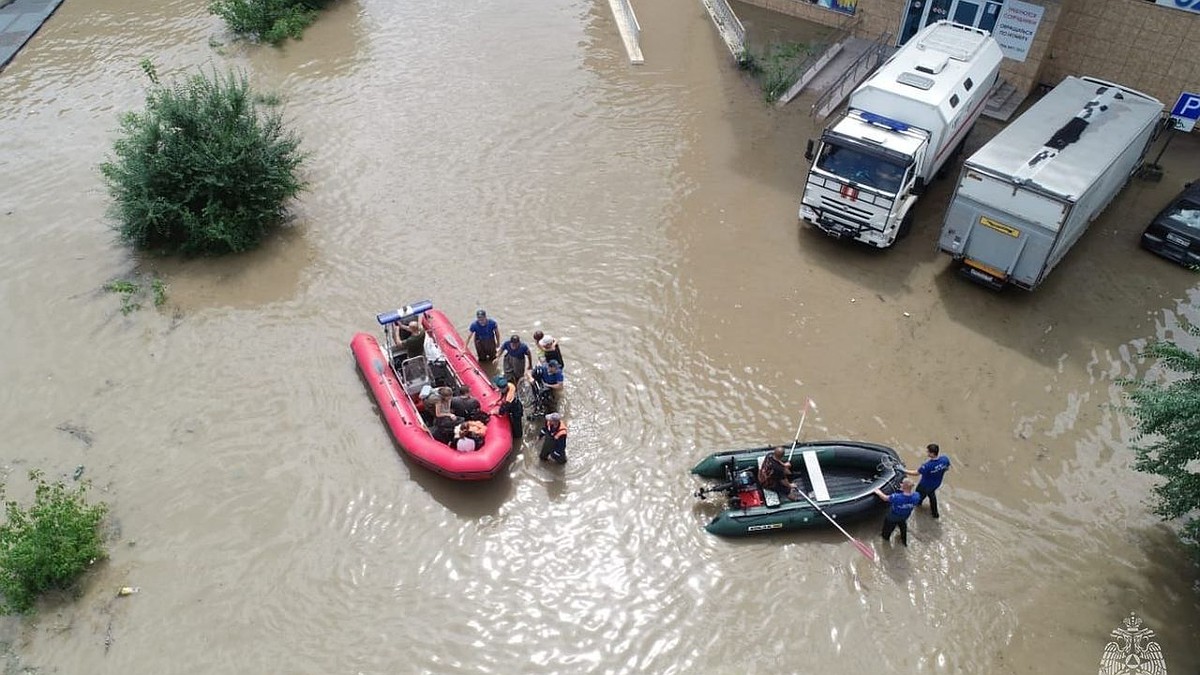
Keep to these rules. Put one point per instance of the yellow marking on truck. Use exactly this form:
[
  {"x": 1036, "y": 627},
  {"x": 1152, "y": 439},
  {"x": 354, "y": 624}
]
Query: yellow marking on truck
[
  {"x": 999, "y": 227},
  {"x": 986, "y": 269}
]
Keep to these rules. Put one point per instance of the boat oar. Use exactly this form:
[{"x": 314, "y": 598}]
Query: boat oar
[
  {"x": 862, "y": 548},
  {"x": 795, "y": 441},
  {"x": 383, "y": 380}
]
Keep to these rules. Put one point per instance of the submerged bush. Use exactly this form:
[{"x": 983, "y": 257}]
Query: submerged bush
[
  {"x": 270, "y": 20},
  {"x": 48, "y": 545},
  {"x": 777, "y": 67},
  {"x": 202, "y": 170}
]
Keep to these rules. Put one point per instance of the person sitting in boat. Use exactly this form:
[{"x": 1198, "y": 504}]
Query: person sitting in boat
[
  {"x": 471, "y": 431},
  {"x": 467, "y": 406},
  {"x": 775, "y": 475},
  {"x": 443, "y": 429}
]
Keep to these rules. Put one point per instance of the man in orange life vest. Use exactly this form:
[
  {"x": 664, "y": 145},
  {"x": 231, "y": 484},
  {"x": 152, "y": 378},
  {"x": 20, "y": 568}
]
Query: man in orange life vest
[{"x": 554, "y": 439}]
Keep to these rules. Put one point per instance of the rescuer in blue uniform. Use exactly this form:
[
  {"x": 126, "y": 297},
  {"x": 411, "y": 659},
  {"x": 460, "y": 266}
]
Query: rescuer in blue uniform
[
  {"x": 486, "y": 335},
  {"x": 931, "y": 472},
  {"x": 900, "y": 507}
]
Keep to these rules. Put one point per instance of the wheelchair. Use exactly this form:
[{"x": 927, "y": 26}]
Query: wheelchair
[{"x": 537, "y": 398}]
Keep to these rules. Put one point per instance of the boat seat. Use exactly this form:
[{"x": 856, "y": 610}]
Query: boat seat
[
  {"x": 770, "y": 497},
  {"x": 815, "y": 477},
  {"x": 415, "y": 374}
]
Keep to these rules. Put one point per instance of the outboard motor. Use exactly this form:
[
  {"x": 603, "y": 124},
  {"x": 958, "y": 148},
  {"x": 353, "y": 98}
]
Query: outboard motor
[{"x": 746, "y": 489}]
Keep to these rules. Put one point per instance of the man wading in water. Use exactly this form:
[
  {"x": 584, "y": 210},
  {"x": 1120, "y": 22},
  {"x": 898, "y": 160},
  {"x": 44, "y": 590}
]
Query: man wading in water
[{"x": 486, "y": 335}]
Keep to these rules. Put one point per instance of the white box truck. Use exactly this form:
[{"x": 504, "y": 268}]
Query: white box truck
[
  {"x": 1028, "y": 195},
  {"x": 902, "y": 125}
]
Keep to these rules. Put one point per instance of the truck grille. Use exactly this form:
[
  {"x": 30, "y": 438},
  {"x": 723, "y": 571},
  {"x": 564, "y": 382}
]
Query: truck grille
[{"x": 841, "y": 208}]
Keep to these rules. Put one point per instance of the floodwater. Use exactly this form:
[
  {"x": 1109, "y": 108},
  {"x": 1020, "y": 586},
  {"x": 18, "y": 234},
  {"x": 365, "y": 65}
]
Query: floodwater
[{"x": 506, "y": 155}]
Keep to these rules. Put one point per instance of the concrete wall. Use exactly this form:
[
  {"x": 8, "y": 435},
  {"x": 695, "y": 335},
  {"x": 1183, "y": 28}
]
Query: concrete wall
[{"x": 1132, "y": 42}]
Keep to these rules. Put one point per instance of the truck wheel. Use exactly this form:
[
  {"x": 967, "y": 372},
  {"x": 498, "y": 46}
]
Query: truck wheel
[{"x": 905, "y": 226}]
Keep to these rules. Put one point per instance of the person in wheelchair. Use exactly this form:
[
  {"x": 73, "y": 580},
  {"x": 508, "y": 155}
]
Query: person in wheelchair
[{"x": 547, "y": 381}]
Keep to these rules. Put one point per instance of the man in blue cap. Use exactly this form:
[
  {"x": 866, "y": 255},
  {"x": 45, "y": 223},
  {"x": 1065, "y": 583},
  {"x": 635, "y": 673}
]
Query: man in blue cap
[{"x": 486, "y": 335}]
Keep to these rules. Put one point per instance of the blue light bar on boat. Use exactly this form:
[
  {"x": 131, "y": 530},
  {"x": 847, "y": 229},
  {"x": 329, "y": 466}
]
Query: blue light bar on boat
[
  {"x": 406, "y": 312},
  {"x": 881, "y": 121}
]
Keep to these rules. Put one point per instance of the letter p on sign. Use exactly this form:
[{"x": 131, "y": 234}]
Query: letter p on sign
[{"x": 1186, "y": 111}]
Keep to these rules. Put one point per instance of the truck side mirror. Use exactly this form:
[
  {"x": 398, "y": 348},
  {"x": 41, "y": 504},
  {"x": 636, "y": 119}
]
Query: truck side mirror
[
  {"x": 918, "y": 188},
  {"x": 808, "y": 150}
]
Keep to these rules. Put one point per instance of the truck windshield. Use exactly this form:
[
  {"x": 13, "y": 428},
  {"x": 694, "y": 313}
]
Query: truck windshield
[{"x": 860, "y": 167}]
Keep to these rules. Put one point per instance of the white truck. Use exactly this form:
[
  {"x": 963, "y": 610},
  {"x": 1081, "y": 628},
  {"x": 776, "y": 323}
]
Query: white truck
[
  {"x": 902, "y": 125},
  {"x": 1028, "y": 195}
]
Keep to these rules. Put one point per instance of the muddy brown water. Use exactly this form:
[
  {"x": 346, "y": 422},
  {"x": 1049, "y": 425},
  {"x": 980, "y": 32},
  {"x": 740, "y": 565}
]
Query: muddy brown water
[{"x": 506, "y": 155}]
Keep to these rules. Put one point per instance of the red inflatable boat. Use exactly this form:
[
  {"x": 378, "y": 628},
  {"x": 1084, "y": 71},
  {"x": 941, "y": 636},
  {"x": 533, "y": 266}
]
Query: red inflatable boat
[{"x": 396, "y": 381}]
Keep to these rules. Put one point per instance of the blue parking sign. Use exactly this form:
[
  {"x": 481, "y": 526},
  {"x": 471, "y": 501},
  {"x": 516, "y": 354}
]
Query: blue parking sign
[{"x": 1186, "y": 111}]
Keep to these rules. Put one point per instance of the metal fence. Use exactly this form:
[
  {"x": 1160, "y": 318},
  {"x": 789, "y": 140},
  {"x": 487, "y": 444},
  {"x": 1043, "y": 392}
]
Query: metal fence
[
  {"x": 631, "y": 19},
  {"x": 816, "y": 52},
  {"x": 729, "y": 25},
  {"x": 870, "y": 59}
]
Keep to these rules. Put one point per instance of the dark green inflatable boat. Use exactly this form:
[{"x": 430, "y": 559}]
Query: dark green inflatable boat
[{"x": 840, "y": 476}]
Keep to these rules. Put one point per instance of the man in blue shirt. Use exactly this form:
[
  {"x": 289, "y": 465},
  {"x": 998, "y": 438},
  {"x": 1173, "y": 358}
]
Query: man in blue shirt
[
  {"x": 486, "y": 335},
  {"x": 931, "y": 472},
  {"x": 900, "y": 507},
  {"x": 516, "y": 358},
  {"x": 550, "y": 376}
]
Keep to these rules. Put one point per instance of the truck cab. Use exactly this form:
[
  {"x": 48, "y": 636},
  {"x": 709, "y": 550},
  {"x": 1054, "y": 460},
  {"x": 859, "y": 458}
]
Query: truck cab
[{"x": 864, "y": 179}]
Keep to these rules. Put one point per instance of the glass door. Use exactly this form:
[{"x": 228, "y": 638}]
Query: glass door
[
  {"x": 975, "y": 13},
  {"x": 965, "y": 12}
]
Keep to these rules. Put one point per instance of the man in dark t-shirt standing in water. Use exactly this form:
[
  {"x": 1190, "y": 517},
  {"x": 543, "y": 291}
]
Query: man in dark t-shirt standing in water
[
  {"x": 486, "y": 335},
  {"x": 931, "y": 472}
]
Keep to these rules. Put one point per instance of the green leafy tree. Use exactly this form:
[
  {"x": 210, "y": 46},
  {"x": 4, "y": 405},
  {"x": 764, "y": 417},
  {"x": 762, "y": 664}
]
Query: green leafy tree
[
  {"x": 270, "y": 20},
  {"x": 49, "y": 544},
  {"x": 203, "y": 170},
  {"x": 1167, "y": 420}
]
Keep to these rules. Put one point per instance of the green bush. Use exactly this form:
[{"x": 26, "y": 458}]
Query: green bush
[
  {"x": 202, "y": 170},
  {"x": 49, "y": 545},
  {"x": 1167, "y": 421},
  {"x": 270, "y": 20},
  {"x": 780, "y": 67}
]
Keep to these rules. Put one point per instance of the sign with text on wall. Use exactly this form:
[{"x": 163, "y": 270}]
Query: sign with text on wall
[
  {"x": 1185, "y": 5},
  {"x": 1016, "y": 26}
]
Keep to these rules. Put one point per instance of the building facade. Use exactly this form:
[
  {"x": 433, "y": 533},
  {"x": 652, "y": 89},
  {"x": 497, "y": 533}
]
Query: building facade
[{"x": 1146, "y": 45}]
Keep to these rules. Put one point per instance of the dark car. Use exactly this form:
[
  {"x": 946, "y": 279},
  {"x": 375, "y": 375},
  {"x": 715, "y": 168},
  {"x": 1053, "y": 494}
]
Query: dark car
[{"x": 1175, "y": 232}]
